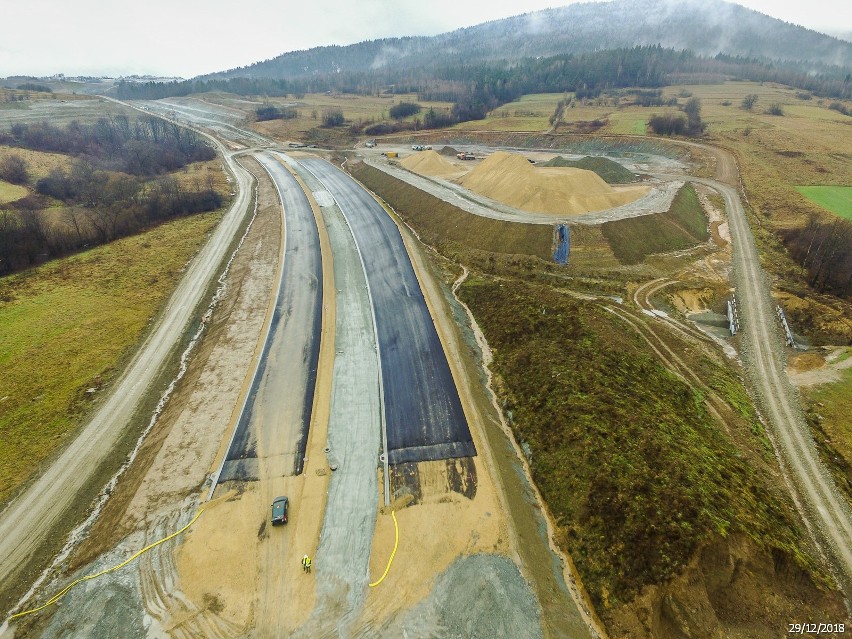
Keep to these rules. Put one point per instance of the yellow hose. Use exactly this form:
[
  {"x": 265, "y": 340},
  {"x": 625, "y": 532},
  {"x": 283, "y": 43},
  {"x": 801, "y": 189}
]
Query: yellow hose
[
  {"x": 390, "y": 561},
  {"x": 65, "y": 590}
]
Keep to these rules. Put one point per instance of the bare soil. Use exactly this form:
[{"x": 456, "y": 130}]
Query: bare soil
[{"x": 509, "y": 178}]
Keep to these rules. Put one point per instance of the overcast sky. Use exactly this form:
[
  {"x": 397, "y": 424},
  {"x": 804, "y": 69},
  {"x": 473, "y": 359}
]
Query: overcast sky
[{"x": 190, "y": 37}]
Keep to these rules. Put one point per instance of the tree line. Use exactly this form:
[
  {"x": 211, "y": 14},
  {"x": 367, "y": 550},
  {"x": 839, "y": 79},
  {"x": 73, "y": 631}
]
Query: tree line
[
  {"x": 145, "y": 147},
  {"x": 475, "y": 88},
  {"x": 824, "y": 250},
  {"x": 101, "y": 206},
  {"x": 114, "y": 187}
]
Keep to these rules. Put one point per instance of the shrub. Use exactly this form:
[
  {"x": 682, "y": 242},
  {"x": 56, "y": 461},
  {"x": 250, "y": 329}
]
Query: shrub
[
  {"x": 403, "y": 110},
  {"x": 775, "y": 109},
  {"x": 14, "y": 169},
  {"x": 668, "y": 124},
  {"x": 749, "y": 101},
  {"x": 333, "y": 117}
]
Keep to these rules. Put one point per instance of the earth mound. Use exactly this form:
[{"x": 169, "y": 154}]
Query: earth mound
[
  {"x": 612, "y": 172},
  {"x": 511, "y": 179},
  {"x": 430, "y": 163}
]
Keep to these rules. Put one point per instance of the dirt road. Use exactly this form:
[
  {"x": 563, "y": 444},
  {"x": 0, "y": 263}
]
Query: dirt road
[
  {"x": 42, "y": 511},
  {"x": 826, "y": 516}
]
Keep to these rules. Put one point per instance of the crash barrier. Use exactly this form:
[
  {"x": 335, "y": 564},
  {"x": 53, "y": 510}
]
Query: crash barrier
[
  {"x": 65, "y": 590},
  {"x": 788, "y": 334},
  {"x": 733, "y": 316},
  {"x": 390, "y": 561}
]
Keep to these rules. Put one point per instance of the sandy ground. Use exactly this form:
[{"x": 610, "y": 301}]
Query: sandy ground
[
  {"x": 812, "y": 369},
  {"x": 657, "y": 200},
  {"x": 509, "y": 178}
]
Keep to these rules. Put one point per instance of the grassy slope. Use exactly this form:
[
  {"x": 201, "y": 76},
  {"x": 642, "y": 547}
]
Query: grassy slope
[
  {"x": 609, "y": 171},
  {"x": 829, "y": 408},
  {"x": 11, "y": 192},
  {"x": 837, "y": 199},
  {"x": 682, "y": 226},
  {"x": 439, "y": 223},
  {"x": 635, "y": 471},
  {"x": 68, "y": 323}
]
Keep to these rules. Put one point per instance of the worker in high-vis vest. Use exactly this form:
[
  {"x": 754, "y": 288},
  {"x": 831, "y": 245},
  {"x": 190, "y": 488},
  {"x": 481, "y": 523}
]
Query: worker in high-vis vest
[{"x": 306, "y": 563}]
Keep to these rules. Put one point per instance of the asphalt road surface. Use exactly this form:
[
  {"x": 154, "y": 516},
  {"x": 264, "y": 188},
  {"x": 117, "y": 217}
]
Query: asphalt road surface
[
  {"x": 342, "y": 559},
  {"x": 40, "y": 511},
  {"x": 423, "y": 415},
  {"x": 277, "y": 416}
]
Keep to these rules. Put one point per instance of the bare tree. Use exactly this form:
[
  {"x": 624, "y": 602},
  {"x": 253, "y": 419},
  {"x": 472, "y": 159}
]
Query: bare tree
[{"x": 14, "y": 169}]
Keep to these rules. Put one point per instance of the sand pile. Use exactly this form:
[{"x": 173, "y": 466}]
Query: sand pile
[
  {"x": 511, "y": 179},
  {"x": 432, "y": 164}
]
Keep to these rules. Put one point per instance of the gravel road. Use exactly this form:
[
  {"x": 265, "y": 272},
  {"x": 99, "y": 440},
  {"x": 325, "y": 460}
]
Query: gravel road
[
  {"x": 827, "y": 514},
  {"x": 42, "y": 510}
]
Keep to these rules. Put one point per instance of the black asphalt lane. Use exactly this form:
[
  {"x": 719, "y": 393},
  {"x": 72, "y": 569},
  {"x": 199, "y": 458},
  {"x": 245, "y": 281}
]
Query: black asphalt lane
[
  {"x": 277, "y": 414},
  {"x": 423, "y": 414}
]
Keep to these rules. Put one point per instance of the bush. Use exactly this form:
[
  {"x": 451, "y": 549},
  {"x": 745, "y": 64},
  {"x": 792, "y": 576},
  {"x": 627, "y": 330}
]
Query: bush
[
  {"x": 775, "y": 109},
  {"x": 272, "y": 112},
  {"x": 333, "y": 117},
  {"x": 668, "y": 124},
  {"x": 403, "y": 110},
  {"x": 14, "y": 169},
  {"x": 840, "y": 108},
  {"x": 749, "y": 101},
  {"x": 437, "y": 119}
]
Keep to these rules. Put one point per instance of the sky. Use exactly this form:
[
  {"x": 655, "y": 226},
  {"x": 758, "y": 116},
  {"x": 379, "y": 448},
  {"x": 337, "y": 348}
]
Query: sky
[{"x": 191, "y": 37}]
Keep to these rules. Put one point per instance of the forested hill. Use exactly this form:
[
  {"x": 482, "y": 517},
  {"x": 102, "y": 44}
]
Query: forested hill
[{"x": 706, "y": 27}]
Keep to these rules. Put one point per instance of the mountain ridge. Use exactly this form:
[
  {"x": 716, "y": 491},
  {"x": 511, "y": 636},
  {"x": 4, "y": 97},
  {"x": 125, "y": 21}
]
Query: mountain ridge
[{"x": 704, "y": 27}]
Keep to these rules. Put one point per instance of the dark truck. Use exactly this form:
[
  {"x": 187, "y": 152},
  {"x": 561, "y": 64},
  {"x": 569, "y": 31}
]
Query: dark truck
[{"x": 279, "y": 510}]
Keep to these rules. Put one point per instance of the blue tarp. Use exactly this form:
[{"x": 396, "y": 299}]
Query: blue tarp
[{"x": 563, "y": 244}]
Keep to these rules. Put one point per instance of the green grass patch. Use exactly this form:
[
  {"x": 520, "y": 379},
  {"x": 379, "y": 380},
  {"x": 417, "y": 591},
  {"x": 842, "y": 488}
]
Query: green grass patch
[
  {"x": 634, "y": 469},
  {"x": 682, "y": 226},
  {"x": 829, "y": 407},
  {"x": 609, "y": 171},
  {"x": 11, "y": 192},
  {"x": 67, "y": 325},
  {"x": 837, "y": 199},
  {"x": 439, "y": 223}
]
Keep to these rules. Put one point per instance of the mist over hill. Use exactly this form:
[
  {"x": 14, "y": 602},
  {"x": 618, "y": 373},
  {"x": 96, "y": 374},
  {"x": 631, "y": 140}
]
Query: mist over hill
[{"x": 704, "y": 27}]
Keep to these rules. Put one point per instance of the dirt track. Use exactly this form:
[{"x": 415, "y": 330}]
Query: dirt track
[
  {"x": 826, "y": 512},
  {"x": 40, "y": 511}
]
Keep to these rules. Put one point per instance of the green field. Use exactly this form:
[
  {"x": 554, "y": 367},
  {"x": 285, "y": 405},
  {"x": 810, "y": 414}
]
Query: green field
[
  {"x": 11, "y": 192},
  {"x": 66, "y": 327},
  {"x": 837, "y": 199}
]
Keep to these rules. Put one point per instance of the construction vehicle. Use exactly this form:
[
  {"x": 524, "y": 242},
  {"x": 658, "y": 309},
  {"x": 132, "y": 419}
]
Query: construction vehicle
[{"x": 464, "y": 155}]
